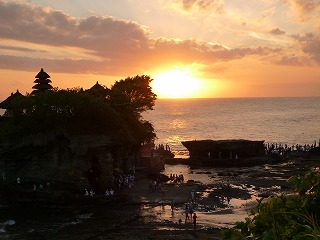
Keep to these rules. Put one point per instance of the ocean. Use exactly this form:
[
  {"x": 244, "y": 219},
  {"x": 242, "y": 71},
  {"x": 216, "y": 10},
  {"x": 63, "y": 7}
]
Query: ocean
[{"x": 274, "y": 120}]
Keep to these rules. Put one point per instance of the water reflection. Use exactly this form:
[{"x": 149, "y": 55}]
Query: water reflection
[
  {"x": 178, "y": 124},
  {"x": 219, "y": 202},
  {"x": 230, "y": 190},
  {"x": 198, "y": 175}
]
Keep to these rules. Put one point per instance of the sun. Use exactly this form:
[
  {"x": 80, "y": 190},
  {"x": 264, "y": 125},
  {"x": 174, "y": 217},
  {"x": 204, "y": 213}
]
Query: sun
[{"x": 175, "y": 84}]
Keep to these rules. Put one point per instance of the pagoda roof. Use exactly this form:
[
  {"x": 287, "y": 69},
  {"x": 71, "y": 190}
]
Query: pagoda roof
[
  {"x": 42, "y": 86},
  {"x": 6, "y": 104},
  {"x": 42, "y": 74},
  {"x": 41, "y": 80}
]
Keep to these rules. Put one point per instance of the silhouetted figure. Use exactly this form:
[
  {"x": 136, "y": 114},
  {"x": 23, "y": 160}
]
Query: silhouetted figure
[
  {"x": 172, "y": 205},
  {"x": 195, "y": 220}
]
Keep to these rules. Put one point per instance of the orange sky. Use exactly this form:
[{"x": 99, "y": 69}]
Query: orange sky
[{"x": 192, "y": 48}]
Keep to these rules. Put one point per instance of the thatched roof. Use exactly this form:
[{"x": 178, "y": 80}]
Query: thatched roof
[
  {"x": 98, "y": 90},
  {"x": 6, "y": 104},
  {"x": 97, "y": 87}
]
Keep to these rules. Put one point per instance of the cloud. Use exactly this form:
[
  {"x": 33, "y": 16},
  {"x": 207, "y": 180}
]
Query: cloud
[
  {"x": 277, "y": 31},
  {"x": 307, "y": 6},
  {"x": 117, "y": 44},
  {"x": 304, "y": 7},
  {"x": 56, "y": 65},
  {"x": 49, "y": 27},
  {"x": 293, "y": 60},
  {"x": 310, "y": 45},
  {"x": 22, "y": 49},
  {"x": 216, "y": 5}
]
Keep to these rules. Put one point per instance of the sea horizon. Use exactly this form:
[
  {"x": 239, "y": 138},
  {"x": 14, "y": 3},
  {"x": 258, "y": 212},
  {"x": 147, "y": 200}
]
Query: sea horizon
[
  {"x": 288, "y": 120},
  {"x": 190, "y": 98}
]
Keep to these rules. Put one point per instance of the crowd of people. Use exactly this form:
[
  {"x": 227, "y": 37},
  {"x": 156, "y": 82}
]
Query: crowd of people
[
  {"x": 120, "y": 183},
  {"x": 286, "y": 150},
  {"x": 175, "y": 178},
  {"x": 190, "y": 215},
  {"x": 156, "y": 185}
]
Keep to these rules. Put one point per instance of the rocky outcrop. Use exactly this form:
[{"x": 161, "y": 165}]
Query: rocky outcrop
[{"x": 226, "y": 152}]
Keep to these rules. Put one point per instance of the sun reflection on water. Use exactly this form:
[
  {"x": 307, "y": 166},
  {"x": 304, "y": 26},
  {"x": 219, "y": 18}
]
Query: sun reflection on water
[{"x": 178, "y": 124}]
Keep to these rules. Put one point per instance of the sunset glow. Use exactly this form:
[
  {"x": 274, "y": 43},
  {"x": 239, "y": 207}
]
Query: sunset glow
[
  {"x": 234, "y": 48},
  {"x": 175, "y": 84}
]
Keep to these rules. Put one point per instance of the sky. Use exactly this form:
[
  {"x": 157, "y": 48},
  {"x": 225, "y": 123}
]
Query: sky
[{"x": 191, "y": 48}]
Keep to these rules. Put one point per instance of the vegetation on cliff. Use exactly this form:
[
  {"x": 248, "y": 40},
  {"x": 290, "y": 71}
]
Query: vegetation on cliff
[
  {"x": 115, "y": 112},
  {"x": 285, "y": 217}
]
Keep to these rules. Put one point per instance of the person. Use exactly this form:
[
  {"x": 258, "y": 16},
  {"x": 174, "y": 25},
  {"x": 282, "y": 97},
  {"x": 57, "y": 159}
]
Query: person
[
  {"x": 192, "y": 194},
  {"x": 18, "y": 180},
  {"x": 172, "y": 205},
  {"x": 186, "y": 212},
  {"x": 111, "y": 192},
  {"x": 195, "y": 220},
  {"x": 86, "y": 192},
  {"x": 191, "y": 210},
  {"x": 107, "y": 193},
  {"x": 91, "y": 192}
]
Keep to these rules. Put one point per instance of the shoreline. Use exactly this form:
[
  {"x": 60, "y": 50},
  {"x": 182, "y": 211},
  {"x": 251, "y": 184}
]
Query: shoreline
[{"x": 228, "y": 197}]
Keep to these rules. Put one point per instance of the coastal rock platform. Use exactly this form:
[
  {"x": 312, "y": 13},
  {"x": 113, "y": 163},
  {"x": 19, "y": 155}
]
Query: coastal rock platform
[
  {"x": 144, "y": 214},
  {"x": 234, "y": 152}
]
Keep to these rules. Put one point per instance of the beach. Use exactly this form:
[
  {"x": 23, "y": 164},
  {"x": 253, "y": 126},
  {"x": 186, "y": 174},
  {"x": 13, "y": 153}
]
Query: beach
[{"x": 147, "y": 214}]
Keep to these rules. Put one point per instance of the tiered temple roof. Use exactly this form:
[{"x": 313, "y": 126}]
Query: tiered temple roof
[{"x": 42, "y": 82}]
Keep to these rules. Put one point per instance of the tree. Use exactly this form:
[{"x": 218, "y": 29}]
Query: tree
[
  {"x": 72, "y": 109},
  {"x": 115, "y": 112},
  {"x": 133, "y": 94},
  {"x": 285, "y": 217}
]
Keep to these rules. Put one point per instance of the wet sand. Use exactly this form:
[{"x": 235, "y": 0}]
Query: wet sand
[
  {"x": 227, "y": 196},
  {"x": 218, "y": 205}
]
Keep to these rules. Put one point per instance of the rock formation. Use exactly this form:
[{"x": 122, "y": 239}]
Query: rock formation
[{"x": 226, "y": 152}]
